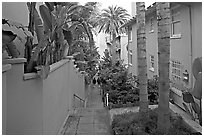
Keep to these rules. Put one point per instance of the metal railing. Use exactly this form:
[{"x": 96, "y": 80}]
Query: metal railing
[{"x": 81, "y": 100}]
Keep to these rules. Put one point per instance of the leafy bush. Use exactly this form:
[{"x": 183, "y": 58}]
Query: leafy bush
[
  {"x": 121, "y": 86},
  {"x": 152, "y": 89},
  {"x": 132, "y": 123}
]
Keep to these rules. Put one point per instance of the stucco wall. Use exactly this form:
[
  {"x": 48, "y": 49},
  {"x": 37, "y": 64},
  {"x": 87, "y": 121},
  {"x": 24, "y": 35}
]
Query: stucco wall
[
  {"x": 5, "y": 69},
  {"x": 24, "y": 101},
  {"x": 124, "y": 52},
  {"x": 101, "y": 43},
  {"x": 37, "y": 106},
  {"x": 133, "y": 46},
  {"x": 152, "y": 45},
  {"x": 180, "y": 48},
  {"x": 196, "y": 14},
  {"x": 55, "y": 97}
]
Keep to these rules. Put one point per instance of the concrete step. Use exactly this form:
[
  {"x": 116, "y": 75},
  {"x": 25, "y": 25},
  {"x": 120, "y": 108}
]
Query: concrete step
[{"x": 92, "y": 120}]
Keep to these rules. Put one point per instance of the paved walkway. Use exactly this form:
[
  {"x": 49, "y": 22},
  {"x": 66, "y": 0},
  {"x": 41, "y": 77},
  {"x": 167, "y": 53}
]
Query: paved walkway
[{"x": 92, "y": 120}]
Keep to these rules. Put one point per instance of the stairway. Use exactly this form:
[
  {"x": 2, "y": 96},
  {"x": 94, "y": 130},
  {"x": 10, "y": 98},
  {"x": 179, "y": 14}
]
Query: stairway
[{"x": 92, "y": 120}]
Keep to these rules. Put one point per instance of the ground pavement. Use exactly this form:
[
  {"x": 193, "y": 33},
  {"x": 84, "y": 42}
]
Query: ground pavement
[{"x": 92, "y": 120}]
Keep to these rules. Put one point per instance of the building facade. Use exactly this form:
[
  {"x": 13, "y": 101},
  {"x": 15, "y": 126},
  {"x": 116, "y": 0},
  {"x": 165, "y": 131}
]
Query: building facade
[
  {"x": 185, "y": 43},
  {"x": 103, "y": 41}
]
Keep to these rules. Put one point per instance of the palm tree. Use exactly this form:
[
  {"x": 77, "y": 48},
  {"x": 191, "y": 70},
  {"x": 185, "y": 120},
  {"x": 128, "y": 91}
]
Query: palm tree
[
  {"x": 110, "y": 22},
  {"x": 163, "y": 21},
  {"x": 141, "y": 55},
  {"x": 82, "y": 28},
  {"x": 85, "y": 16}
]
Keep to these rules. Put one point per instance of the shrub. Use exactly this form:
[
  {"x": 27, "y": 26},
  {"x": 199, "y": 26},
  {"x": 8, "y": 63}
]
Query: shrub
[
  {"x": 152, "y": 89},
  {"x": 121, "y": 86},
  {"x": 132, "y": 123},
  {"x": 126, "y": 95}
]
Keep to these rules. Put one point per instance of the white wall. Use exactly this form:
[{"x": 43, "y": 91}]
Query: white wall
[
  {"x": 101, "y": 43},
  {"x": 5, "y": 69},
  {"x": 124, "y": 52},
  {"x": 40, "y": 106},
  {"x": 133, "y": 46}
]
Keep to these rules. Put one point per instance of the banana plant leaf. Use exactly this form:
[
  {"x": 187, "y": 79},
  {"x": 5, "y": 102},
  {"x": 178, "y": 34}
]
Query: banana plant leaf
[
  {"x": 196, "y": 107},
  {"x": 188, "y": 111},
  {"x": 39, "y": 29},
  {"x": 197, "y": 67},
  {"x": 68, "y": 36},
  {"x": 198, "y": 110},
  {"x": 50, "y": 5},
  {"x": 7, "y": 40},
  {"x": 197, "y": 90},
  {"x": 47, "y": 17}
]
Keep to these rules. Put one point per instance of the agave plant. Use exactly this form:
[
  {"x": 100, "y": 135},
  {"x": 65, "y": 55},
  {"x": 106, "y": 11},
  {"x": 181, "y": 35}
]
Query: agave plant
[{"x": 188, "y": 97}]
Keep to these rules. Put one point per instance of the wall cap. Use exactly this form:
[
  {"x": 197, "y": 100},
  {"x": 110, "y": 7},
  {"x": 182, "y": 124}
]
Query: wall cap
[
  {"x": 53, "y": 67},
  {"x": 28, "y": 76},
  {"x": 6, "y": 67},
  {"x": 57, "y": 65},
  {"x": 14, "y": 61}
]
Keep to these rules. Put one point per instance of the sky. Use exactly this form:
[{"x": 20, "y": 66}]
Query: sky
[
  {"x": 122, "y": 3},
  {"x": 126, "y": 4}
]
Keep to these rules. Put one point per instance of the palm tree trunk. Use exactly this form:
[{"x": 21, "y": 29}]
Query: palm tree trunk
[
  {"x": 89, "y": 33},
  {"x": 141, "y": 55},
  {"x": 163, "y": 21},
  {"x": 113, "y": 48}
]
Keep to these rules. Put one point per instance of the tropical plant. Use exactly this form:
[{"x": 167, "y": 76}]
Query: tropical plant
[
  {"x": 61, "y": 28},
  {"x": 163, "y": 22},
  {"x": 134, "y": 123},
  {"x": 8, "y": 44},
  {"x": 152, "y": 88},
  {"x": 8, "y": 37},
  {"x": 110, "y": 22},
  {"x": 50, "y": 31},
  {"x": 188, "y": 97},
  {"x": 141, "y": 56},
  {"x": 82, "y": 30},
  {"x": 85, "y": 16},
  {"x": 123, "y": 87}
]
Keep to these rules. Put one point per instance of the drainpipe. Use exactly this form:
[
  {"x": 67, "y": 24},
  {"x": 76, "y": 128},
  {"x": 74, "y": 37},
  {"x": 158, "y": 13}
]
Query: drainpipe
[
  {"x": 191, "y": 44},
  {"x": 128, "y": 50}
]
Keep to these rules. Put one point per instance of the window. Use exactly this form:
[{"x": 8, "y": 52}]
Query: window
[
  {"x": 176, "y": 71},
  {"x": 151, "y": 25},
  {"x": 175, "y": 23},
  {"x": 130, "y": 57},
  {"x": 130, "y": 35},
  {"x": 151, "y": 63}
]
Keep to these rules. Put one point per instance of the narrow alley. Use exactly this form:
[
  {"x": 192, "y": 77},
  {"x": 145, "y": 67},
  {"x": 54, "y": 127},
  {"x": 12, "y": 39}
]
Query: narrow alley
[{"x": 92, "y": 120}]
